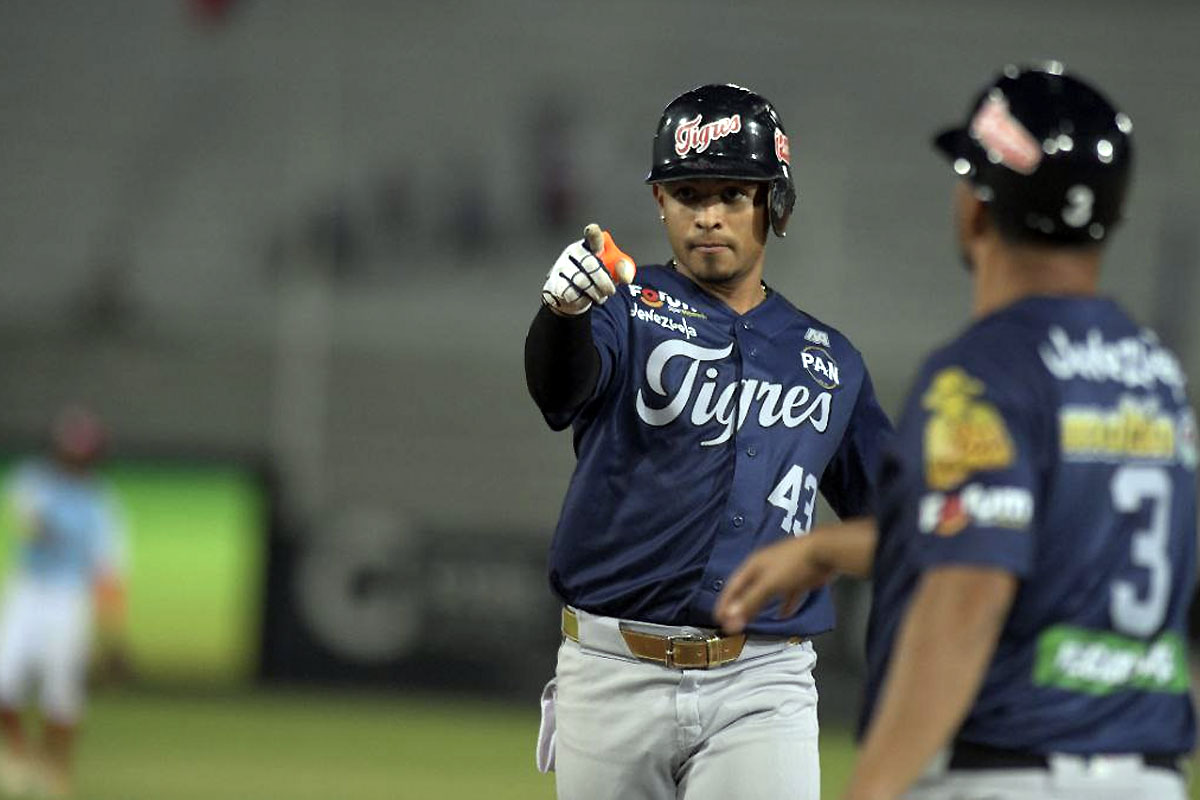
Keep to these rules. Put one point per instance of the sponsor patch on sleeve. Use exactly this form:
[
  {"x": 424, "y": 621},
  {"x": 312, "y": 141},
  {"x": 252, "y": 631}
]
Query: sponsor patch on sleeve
[
  {"x": 964, "y": 433},
  {"x": 948, "y": 513}
]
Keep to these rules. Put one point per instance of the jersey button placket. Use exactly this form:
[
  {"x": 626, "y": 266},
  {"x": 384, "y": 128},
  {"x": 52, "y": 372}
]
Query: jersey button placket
[
  {"x": 729, "y": 548},
  {"x": 746, "y": 349},
  {"x": 750, "y": 351}
]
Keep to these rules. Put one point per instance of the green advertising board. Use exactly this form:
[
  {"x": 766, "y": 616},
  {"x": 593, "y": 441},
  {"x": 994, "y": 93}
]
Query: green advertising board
[{"x": 197, "y": 541}]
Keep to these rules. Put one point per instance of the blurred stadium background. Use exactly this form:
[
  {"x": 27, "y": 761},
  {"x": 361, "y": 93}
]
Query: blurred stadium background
[{"x": 289, "y": 250}]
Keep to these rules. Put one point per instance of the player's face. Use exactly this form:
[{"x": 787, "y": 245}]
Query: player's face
[{"x": 717, "y": 228}]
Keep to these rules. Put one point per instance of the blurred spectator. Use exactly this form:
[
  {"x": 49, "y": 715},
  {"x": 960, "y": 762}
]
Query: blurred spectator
[
  {"x": 106, "y": 306},
  {"x": 211, "y": 13},
  {"x": 469, "y": 224},
  {"x": 552, "y": 152},
  {"x": 69, "y": 564},
  {"x": 395, "y": 206},
  {"x": 333, "y": 240}
]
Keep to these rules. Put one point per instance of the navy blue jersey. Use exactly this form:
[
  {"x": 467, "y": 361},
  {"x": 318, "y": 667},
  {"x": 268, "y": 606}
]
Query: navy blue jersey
[
  {"x": 1054, "y": 440},
  {"x": 708, "y": 435}
]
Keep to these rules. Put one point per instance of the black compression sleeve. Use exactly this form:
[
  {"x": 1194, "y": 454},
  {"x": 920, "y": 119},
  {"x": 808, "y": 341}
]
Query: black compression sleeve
[{"x": 561, "y": 362}]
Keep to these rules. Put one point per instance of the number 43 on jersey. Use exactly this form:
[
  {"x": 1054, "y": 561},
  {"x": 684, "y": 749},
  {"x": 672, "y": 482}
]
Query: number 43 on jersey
[{"x": 798, "y": 486}]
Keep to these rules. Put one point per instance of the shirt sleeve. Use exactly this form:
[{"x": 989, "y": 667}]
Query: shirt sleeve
[
  {"x": 609, "y": 330},
  {"x": 851, "y": 479},
  {"x": 561, "y": 363},
  {"x": 978, "y": 485},
  {"x": 22, "y": 495},
  {"x": 111, "y": 553}
]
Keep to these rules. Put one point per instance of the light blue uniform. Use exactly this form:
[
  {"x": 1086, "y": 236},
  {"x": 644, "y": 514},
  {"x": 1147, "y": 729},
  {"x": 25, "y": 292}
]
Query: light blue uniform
[{"x": 70, "y": 534}]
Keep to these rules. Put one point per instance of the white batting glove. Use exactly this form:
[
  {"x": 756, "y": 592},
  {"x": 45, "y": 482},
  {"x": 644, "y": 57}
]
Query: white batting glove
[{"x": 577, "y": 279}]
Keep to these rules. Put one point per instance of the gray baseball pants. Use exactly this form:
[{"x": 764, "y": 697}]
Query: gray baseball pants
[{"x": 631, "y": 730}]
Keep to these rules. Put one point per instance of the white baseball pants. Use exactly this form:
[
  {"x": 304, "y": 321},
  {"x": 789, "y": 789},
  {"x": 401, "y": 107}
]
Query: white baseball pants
[
  {"x": 1067, "y": 778},
  {"x": 45, "y": 635}
]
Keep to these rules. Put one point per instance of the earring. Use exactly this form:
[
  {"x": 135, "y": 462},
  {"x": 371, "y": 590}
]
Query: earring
[{"x": 662, "y": 218}]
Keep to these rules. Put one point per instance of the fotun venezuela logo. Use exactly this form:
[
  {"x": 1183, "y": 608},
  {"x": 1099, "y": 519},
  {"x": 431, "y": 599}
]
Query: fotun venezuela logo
[
  {"x": 656, "y": 298},
  {"x": 692, "y": 136}
]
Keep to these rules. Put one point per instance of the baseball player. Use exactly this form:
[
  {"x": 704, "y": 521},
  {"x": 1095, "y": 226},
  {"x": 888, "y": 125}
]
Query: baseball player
[
  {"x": 707, "y": 413},
  {"x": 69, "y": 562},
  {"x": 1035, "y": 552}
]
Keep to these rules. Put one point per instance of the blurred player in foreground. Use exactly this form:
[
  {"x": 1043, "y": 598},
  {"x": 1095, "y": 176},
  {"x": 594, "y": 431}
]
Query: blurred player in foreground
[
  {"x": 68, "y": 567},
  {"x": 707, "y": 413},
  {"x": 1035, "y": 552}
]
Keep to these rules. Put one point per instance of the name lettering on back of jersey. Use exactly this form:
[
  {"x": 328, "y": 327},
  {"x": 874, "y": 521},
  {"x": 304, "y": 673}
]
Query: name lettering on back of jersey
[
  {"x": 1137, "y": 362},
  {"x": 821, "y": 367},
  {"x": 729, "y": 405},
  {"x": 964, "y": 434},
  {"x": 1135, "y": 429},
  {"x": 974, "y": 504},
  {"x": 1185, "y": 434},
  {"x": 817, "y": 337},
  {"x": 658, "y": 299}
]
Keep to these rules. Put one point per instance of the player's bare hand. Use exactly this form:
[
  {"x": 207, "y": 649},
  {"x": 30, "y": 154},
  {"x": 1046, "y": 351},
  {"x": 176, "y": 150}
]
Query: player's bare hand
[
  {"x": 787, "y": 569},
  {"x": 587, "y": 272}
]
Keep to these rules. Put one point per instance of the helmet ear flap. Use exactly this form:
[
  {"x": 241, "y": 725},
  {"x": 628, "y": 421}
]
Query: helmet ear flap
[{"x": 780, "y": 201}]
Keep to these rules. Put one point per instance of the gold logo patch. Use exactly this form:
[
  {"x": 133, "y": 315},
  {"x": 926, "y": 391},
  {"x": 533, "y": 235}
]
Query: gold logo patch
[{"x": 964, "y": 434}]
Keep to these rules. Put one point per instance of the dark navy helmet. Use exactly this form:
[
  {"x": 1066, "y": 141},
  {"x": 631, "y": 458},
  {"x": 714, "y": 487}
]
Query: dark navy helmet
[
  {"x": 725, "y": 131},
  {"x": 1048, "y": 153}
]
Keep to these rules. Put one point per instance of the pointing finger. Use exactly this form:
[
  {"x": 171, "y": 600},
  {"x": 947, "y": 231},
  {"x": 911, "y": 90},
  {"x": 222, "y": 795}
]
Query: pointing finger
[
  {"x": 593, "y": 237},
  {"x": 619, "y": 265}
]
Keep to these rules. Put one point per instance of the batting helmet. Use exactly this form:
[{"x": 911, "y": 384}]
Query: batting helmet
[
  {"x": 725, "y": 131},
  {"x": 1048, "y": 153}
]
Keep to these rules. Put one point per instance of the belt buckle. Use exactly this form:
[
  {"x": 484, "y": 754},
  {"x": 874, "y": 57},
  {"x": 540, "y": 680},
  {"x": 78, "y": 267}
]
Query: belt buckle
[{"x": 711, "y": 647}]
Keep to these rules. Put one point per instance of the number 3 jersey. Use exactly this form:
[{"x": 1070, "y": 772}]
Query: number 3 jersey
[
  {"x": 708, "y": 435},
  {"x": 1054, "y": 440}
]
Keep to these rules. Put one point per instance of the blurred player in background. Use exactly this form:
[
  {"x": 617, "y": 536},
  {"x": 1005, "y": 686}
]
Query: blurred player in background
[
  {"x": 1035, "y": 554},
  {"x": 68, "y": 567},
  {"x": 707, "y": 412}
]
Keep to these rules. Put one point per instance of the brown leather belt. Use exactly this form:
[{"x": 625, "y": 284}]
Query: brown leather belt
[{"x": 676, "y": 652}]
